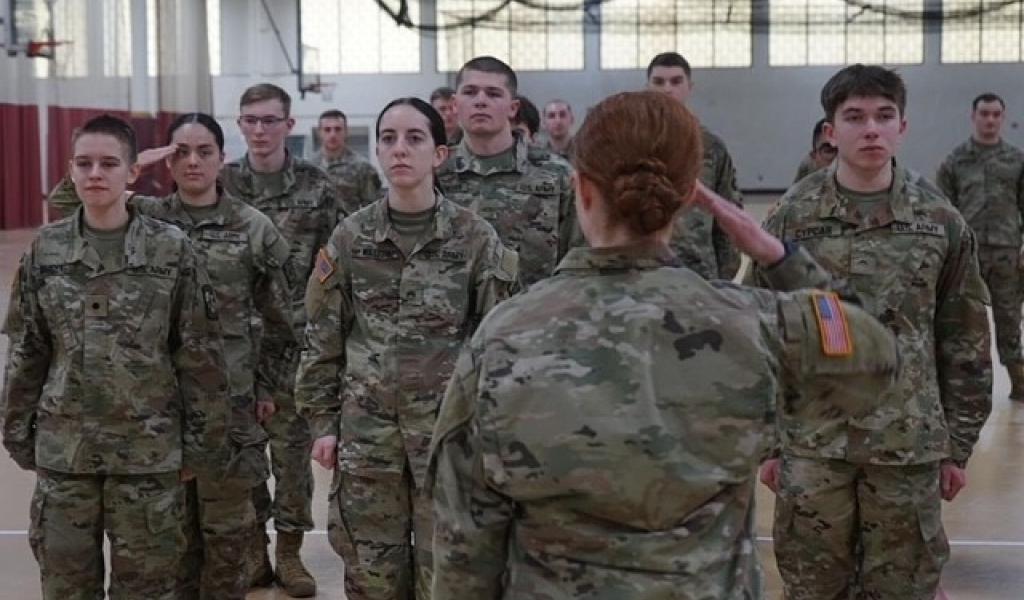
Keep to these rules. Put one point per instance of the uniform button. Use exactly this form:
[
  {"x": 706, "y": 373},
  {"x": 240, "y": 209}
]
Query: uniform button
[{"x": 95, "y": 305}]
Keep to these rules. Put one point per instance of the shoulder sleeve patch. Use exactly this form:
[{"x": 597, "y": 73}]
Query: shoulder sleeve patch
[
  {"x": 325, "y": 266},
  {"x": 832, "y": 325}
]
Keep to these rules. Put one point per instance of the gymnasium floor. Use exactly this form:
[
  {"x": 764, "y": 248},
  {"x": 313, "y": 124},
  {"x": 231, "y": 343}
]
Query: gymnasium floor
[{"x": 985, "y": 524}]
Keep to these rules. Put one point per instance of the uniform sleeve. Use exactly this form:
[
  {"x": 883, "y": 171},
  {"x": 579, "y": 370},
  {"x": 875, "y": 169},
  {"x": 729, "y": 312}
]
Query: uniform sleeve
[
  {"x": 830, "y": 346},
  {"x": 472, "y": 522},
  {"x": 497, "y": 279},
  {"x": 28, "y": 362},
  {"x": 198, "y": 356},
  {"x": 963, "y": 346},
  {"x": 370, "y": 185},
  {"x": 945, "y": 178},
  {"x": 330, "y": 314},
  {"x": 63, "y": 197},
  {"x": 272, "y": 297},
  {"x": 727, "y": 256},
  {"x": 569, "y": 233}
]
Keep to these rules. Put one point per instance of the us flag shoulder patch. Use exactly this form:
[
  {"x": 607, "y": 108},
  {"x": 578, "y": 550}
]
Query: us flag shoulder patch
[
  {"x": 324, "y": 265},
  {"x": 832, "y": 325}
]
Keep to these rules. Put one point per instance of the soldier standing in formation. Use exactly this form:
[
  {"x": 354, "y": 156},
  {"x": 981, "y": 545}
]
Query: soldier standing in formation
[
  {"x": 246, "y": 260},
  {"x": 821, "y": 155},
  {"x": 599, "y": 435},
  {"x": 357, "y": 181},
  {"x": 526, "y": 123},
  {"x": 523, "y": 191},
  {"x": 698, "y": 240},
  {"x": 302, "y": 202},
  {"x": 443, "y": 101},
  {"x": 116, "y": 387},
  {"x": 558, "y": 120},
  {"x": 852, "y": 489},
  {"x": 984, "y": 179},
  {"x": 398, "y": 288}
]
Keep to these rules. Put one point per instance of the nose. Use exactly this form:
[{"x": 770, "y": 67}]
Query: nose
[{"x": 95, "y": 170}]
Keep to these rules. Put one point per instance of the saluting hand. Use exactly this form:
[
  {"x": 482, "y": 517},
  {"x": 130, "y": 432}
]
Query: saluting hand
[
  {"x": 151, "y": 156},
  {"x": 746, "y": 233}
]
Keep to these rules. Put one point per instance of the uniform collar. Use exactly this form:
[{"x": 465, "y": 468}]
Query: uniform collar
[
  {"x": 641, "y": 255},
  {"x": 514, "y": 159},
  {"x": 832, "y": 204},
  {"x": 247, "y": 176},
  {"x": 444, "y": 214},
  {"x": 134, "y": 242},
  {"x": 178, "y": 213}
]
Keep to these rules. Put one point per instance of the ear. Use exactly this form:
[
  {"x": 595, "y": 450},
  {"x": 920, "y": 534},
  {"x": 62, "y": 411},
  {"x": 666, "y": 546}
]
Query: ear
[
  {"x": 440, "y": 156},
  {"x": 584, "y": 189},
  {"x": 513, "y": 108},
  {"x": 903, "y": 125},
  {"x": 290, "y": 123},
  {"x": 133, "y": 173},
  {"x": 828, "y": 131}
]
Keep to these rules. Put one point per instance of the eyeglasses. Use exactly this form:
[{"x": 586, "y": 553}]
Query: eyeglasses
[
  {"x": 826, "y": 148},
  {"x": 250, "y": 121}
]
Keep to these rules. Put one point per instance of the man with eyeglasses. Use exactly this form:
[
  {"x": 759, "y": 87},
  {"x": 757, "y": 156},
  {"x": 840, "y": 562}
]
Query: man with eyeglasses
[
  {"x": 302, "y": 202},
  {"x": 821, "y": 155}
]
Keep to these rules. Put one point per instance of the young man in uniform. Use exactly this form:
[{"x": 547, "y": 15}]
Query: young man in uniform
[
  {"x": 116, "y": 389},
  {"x": 821, "y": 155},
  {"x": 558, "y": 120},
  {"x": 443, "y": 101},
  {"x": 357, "y": 181},
  {"x": 697, "y": 239},
  {"x": 858, "y": 507},
  {"x": 523, "y": 191},
  {"x": 984, "y": 178},
  {"x": 301, "y": 201},
  {"x": 527, "y": 120}
]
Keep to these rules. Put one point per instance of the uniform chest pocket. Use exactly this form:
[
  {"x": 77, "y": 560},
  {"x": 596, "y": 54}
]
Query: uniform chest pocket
[
  {"x": 444, "y": 280},
  {"x": 61, "y": 301},
  {"x": 141, "y": 315}
]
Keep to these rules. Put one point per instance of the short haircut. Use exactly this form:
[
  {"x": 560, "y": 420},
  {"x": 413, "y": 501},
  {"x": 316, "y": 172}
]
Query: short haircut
[
  {"x": 819, "y": 128},
  {"x": 558, "y": 101},
  {"x": 332, "y": 114},
  {"x": 442, "y": 93},
  {"x": 115, "y": 128},
  {"x": 669, "y": 59},
  {"x": 527, "y": 114},
  {"x": 863, "y": 81},
  {"x": 489, "y": 64},
  {"x": 987, "y": 97},
  {"x": 266, "y": 91}
]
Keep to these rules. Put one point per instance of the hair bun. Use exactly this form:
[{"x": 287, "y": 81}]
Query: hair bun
[{"x": 644, "y": 195}]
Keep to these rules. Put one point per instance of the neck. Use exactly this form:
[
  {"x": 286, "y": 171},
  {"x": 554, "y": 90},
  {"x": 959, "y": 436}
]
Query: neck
[
  {"x": 490, "y": 145},
  {"x": 859, "y": 180},
  {"x": 412, "y": 199},
  {"x": 986, "y": 140},
  {"x": 270, "y": 163},
  {"x": 107, "y": 218},
  {"x": 207, "y": 197},
  {"x": 336, "y": 153},
  {"x": 559, "y": 143},
  {"x": 621, "y": 236}
]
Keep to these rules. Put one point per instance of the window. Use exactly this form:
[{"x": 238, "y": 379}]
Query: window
[
  {"x": 981, "y": 31},
  {"x": 357, "y": 36},
  {"x": 528, "y": 38},
  {"x": 117, "y": 38},
  {"x": 833, "y": 32},
  {"x": 70, "y": 24},
  {"x": 709, "y": 33},
  {"x": 213, "y": 34}
]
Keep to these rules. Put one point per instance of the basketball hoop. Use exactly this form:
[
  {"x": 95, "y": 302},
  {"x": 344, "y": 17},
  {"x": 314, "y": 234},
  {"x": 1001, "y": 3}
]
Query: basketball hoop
[{"x": 42, "y": 48}]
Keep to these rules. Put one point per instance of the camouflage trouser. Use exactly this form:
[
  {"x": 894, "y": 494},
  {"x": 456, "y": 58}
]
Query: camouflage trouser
[
  {"x": 290, "y": 444},
  {"x": 1001, "y": 270},
  {"x": 383, "y": 528},
  {"x": 873, "y": 531},
  {"x": 141, "y": 515},
  {"x": 219, "y": 522}
]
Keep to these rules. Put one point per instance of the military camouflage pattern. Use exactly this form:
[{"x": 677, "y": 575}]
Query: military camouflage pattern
[
  {"x": 305, "y": 213},
  {"x": 218, "y": 523},
  {"x": 89, "y": 388},
  {"x": 382, "y": 338},
  {"x": 897, "y": 508},
  {"x": 600, "y": 433},
  {"x": 807, "y": 166},
  {"x": 986, "y": 183},
  {"x": 696, "y": 239},
  {"x": 355, "y": 179},
  {"x": 141, "y": 515},
  {"x": 911, "y": 262},
  {"x": 525, "y": 194},
  {"x": 566, "y": 154}
]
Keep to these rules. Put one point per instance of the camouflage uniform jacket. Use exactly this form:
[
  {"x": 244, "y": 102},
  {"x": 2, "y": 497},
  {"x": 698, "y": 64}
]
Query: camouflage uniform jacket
[
  {"x": 986, "y": 183},
  {"x": 566, "y": 154},
  {"x": 356, "y": 180},
  {"x": 525, "y": 193},
  {"x": 384, "y": 329},
  {"x": 700, "y": 243},
  {"x": 305, "y": 213},
  {"x": 116, "y": 372},
  {"x": 600, "y": 433},
  {"x": 912, "y": 263},
  {"x": 807, "y": 166},
  {"x": 245, "y": 258}
]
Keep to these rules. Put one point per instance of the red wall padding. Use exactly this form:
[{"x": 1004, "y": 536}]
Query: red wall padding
[{"x": 20, "y": 188}]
